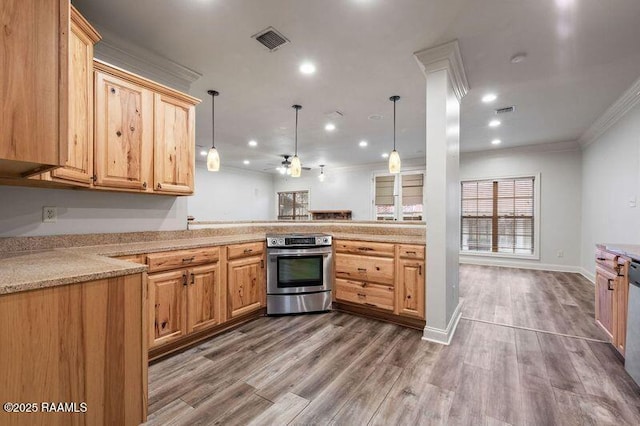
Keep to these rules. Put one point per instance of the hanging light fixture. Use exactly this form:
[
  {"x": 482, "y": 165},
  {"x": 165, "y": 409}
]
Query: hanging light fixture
[
  {"x": 321, "y": 176},
  {"x": 394, "y": 157},
  {"x": 296, "y": 167},
  {"x": 213, "y": 158}
]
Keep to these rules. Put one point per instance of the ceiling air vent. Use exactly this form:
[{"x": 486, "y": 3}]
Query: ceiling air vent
[
  {"x": 505, "y": 110},
  {"x": 270, "y": 38}
]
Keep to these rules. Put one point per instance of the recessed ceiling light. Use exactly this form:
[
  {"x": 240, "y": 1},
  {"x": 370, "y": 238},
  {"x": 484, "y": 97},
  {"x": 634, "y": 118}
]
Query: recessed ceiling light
[
  {"x": 494, "y": 123},
  {"x": 375, "y": 117},
  {"x": 203, "y": 152},
  {"x": 307, "y": 68},
  {"x": 330, "y": 127},
  {"x": 489, "y": 97},
  {"x": 385, "y": 155},
  {"x": 518, "y": 57},
  {"x": 496, "y": 142},
  {"x": 363, "y": 143},
  {"x": 253, "y": 143},
  {"x": 246, "y": 162}
]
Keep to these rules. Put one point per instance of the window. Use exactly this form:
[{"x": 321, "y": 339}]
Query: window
[
  {"x": 398, "y": 197},
  {"x": 293, "y": 205},
  {"x": 498, "y": 216}
]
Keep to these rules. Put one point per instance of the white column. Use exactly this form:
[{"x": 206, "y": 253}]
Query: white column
[{"x": 446, "y": 85}]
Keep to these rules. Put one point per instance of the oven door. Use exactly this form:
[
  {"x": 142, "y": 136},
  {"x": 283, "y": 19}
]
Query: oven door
[{"x": 292, "y": 271}]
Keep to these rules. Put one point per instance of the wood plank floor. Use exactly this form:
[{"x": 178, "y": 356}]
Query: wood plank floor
[{"x": 345, "y": 370}]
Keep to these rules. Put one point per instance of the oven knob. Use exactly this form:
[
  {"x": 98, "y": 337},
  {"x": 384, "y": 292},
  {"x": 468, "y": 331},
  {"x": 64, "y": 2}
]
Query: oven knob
[
  {"x": 325, "y": 240},
  {"x": 273, "y": 242},
  {"x": 280, "y": 241}
]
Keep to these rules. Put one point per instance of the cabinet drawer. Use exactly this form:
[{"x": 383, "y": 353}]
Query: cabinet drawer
[
  {"x": 606, "y": 259},
  {"x": 378, "y": 296},
  {"x": 178, "y": 259},
  {"x": 411, "y": 252},
  {"x": 244, "y": 250},
  {"x": 365, "y": 268},
  {"x": 365, "y": 247}
]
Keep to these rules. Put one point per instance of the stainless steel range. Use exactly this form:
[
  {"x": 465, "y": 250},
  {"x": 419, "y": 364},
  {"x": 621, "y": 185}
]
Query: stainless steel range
[{"x": 299, "y": 273}]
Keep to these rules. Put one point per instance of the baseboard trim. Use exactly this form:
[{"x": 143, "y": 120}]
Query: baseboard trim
[
  {"x": 444, "y": 337},
  {"x": 588, "y": 275},
  {"x": 521, "y": 265}
]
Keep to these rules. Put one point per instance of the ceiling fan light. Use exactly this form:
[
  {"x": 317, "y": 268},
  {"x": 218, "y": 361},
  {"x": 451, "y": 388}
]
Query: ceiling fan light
[
  {"x": 296, "y": 167},
  {"x": 213, "y": 160},
  {"x": 394, "y": 162}
]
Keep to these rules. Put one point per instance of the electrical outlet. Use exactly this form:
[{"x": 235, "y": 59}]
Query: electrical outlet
[
  {"x": 49, "y": 214},
  {"x": 560, "y": 253}
]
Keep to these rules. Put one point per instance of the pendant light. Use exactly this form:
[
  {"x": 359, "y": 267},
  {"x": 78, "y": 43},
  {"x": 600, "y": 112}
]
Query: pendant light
[
  {"x": 296, "y": 167},
  {"x": 213, "y": 158},
  {"x": 394, "y": 157},
  {"x": 321, "y": 176}
]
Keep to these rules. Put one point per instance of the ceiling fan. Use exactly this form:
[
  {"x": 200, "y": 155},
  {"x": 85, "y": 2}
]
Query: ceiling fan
[{"x": 285, "y": 165}]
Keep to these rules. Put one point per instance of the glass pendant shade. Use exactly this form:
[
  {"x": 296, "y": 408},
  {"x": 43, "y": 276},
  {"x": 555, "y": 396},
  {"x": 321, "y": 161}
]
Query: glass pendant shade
[
  {"x": 321, "y": 175},
  {"x": 213, "y": 160},
  {"x": 296, "y": 167},
  {"x": 394, "y": 162}
]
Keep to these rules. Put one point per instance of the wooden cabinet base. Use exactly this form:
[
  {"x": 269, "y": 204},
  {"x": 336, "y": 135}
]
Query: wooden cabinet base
[
  {"x": 191, "y": 340},
  {"x": 369, "y": 312},
  {"x": 79, "y": 343}
]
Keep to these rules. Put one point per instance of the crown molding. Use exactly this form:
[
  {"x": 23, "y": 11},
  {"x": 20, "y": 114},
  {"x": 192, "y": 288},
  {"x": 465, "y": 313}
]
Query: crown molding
[
  {"x": 564, "y": 146},
  {"x": 445, "y": 57},
  {"x": 629, "y": 99},
  {"x": 115, "y": 50}
]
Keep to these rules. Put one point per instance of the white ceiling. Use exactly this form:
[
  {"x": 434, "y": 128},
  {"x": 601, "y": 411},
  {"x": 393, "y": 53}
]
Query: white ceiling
[{"x": 581, "y": 56}]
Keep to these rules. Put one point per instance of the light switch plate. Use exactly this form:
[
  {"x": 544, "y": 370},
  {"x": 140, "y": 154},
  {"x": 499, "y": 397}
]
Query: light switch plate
[{"x": 49, "y": 214}]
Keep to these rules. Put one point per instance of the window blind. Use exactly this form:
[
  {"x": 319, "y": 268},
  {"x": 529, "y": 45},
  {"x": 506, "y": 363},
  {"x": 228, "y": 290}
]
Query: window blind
[
  {"x": 412, "y": 189},
  {"x": 498, "y": 216},
  {"x": 384, "y": 190}
]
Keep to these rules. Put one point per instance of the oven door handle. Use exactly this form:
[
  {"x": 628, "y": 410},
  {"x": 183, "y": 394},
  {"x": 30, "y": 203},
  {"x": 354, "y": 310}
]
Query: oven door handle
[{"x": 300, "y": 253}]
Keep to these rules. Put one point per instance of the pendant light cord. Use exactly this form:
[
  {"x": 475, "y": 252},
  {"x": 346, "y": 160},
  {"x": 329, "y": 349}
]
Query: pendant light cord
[
  {"x": 213, "y": 121},
  {"x": 296, "y": 132},
  {"x": 394, "y": 124}
]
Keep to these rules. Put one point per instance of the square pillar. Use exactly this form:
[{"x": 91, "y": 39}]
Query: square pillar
[{"x": 446, "y": 85}]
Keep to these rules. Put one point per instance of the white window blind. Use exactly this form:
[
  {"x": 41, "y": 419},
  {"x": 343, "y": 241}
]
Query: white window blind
[
  {"x": 498, "y": 216},
  {"x": 399, "y": 197}
]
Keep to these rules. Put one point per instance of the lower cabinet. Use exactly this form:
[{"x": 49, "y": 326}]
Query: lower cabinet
[
  {"x": 381, "y": 279},
  {"x": 612, "y": 295},
  {"x": 82, "y": 343},
  {"x": 182, "y": 302},
  {"x": 246, "y": 289}
]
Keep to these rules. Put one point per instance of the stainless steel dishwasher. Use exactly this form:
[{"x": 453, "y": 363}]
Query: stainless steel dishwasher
[{"x": 632, "y": 351}]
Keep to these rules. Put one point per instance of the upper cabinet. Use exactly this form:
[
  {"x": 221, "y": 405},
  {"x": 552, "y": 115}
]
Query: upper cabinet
[
  {"x": 34, "y": 55},
  {"x": 124, "y": 133},
  {"x": 174, "y": 158},
  {"x": 78, "y": 165}
]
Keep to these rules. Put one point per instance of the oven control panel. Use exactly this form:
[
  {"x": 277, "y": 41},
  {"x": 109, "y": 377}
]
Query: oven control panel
[{"x": 312, "y": 240}]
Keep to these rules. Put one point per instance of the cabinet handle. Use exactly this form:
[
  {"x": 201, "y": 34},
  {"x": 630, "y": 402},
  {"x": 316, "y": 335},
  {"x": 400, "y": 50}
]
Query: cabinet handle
[
  {"x": 262, "y": 264},
  {"x": 144, "y": 185},
  {"x": 188, "y": 259},
  {"x": 419, "y": 269},
  {"x": 361, "y": 295},
  {"x": 193, "y": 278},
  {"x": 118, "y": 133},
  {"x": 133, "y": 129},
  {"x": 362, "y": 269},
  {"x": 601, "y": 258},
  {"x": 411, "y": 252},
  {"x": 159, "y": 185},
  {"x": 113, "y": 90},
  {"x": 365, "y": 248},
  {"x": 609, "y": 284},
  {"x": 247, "y": 251},
  {"x": 184, "y": 279},
  {"x": 370, "y": 304}
]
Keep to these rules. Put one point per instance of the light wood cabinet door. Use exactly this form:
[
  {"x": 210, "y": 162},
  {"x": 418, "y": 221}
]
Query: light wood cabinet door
[
  {"x": 78, "y": 166},
  {"x": 174, "y": 160},
  {"x": 167, "y": 307},
  {"x": 245, "y": 281},
  {"x": 621, "y": 307},
  {"x": 605, "y": 287},
  {"x": 203, "y": 297},
  {"x": 124, "y": 134},
  {"x": 33, "y": 85},
  {"x": 410, "y": 288}
]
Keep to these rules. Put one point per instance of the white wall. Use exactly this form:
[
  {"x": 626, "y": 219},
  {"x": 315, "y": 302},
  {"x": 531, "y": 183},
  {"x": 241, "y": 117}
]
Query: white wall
[
  {"x": 232, "y": 194},
  {"x": 611, "y": 179},
  {"x": 560, "y": 168},
  {"x": 84, "y": 212}
]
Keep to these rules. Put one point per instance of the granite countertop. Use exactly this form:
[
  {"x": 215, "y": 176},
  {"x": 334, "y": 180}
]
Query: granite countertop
[
  {"x": 628, "y": 250},
  {"x": 35, "y": 269}
]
